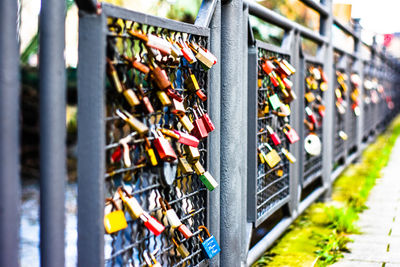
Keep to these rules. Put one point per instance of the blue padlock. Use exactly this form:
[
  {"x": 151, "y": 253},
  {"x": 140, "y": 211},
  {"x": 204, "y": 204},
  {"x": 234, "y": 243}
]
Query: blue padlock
[{"x": 210, "y": 246}]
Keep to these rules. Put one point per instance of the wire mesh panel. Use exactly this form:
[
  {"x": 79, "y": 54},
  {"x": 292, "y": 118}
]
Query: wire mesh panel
[
  {"x": 339, "y": 134},
  {"x": 156, "y": 125},
  {"x": 314, "y": 112},
  {"x": 367, "y": 85},
  {"x": 354, "y": 109},
  {"x": 270, "y": 95}
]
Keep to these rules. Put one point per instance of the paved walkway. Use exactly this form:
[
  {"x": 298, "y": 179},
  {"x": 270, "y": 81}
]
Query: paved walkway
[{"x": 379, "y": 243}]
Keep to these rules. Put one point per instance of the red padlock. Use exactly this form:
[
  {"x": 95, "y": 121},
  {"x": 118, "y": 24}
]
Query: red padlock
[
  {"x": 206, "y": 120},
  {"x": 152, "y": 224},
  {"x": 291, "y": 134},
  {"x": 163, "y": 147},
  {"x": 185, "y": 231},
  {"x": 145, "y": 100},
  {"x": 187, "y": 139},
  {"x": 321, "y": 110},
  {"x": 274, "y": 137},
  {"x": 310, "y": 115},
  {"x": 199, "y": 129},
  {"x": 116, "y": 155}
]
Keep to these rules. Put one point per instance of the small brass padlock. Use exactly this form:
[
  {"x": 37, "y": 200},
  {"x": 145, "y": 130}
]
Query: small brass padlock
[
  {"x": 181, "y": 248},
  {"x": 272, "y": 158}
]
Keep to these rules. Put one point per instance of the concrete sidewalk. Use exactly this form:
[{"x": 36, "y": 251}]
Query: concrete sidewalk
[{"x": 379, "y": 241}]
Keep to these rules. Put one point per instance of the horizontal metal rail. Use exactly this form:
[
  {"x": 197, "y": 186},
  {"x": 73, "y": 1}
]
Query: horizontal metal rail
[{"x": 320, "y": 8}]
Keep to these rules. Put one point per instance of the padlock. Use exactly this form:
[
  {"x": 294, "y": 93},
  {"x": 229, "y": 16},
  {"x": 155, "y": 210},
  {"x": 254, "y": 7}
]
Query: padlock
[
  {"x": 341, "y": 109},
  {"x": 152, "y": 224},
  {"x": 137, "y": 125},
  {"x": 187, "y": 139},
  {"x": 113, "y": 74},
  {"x": 315, "y": 73},
  {"x": 312, "y": 145},
  {"x": 272, "y": 158},
  {"x": 131, "y": 204},
  {"x": 323, "y": 86},
  {"x": 356, "y": 109},
  {"x": 338, "y": 93},
  {"x": 321, "y": 110},
  {"x": 285, "y": 110},
  {"x": 355, "y": 79},
  {"x": 136, "y": 64},
  {"x": 164, "y": 99},
  {"x": 269, "y": 67},
  {"x": 153, "y": 262},
  {"x": 185, "y": 121},
  {"x": 309, "y": 125},
  {"x": 290, "y": 133},
  {"x": 274, "y": 101},
  {"x": 125, "y": 147},
  {"x": 205, "y": 57},
  {"x": 310, "y": 115},
  {"x": 208, "y": 181},
  {"x": 115, "y": 220},
  {"x": 261, "y": 156},
  {"x": 181, "y": 248},
  {"x": 150, "y": 152},
  {"x": 145, "y": 100},
  {"x": 177, "y": 107},
  {"x": 131, "y": 97},
  {"x": 172, "y": 217},
  {"x": 288, "y": 155},
  {"x": 282, "y": 68},
  {"x": 169, "y": 133},
  {"x": 116, "y": 155},
  {"x": 273, "y": 135},
  {"x": 292, "y": 96},
  {"x": 160, "y": 77},
  {"x": 187, "y": 53},
  {"x": 199, "y": 129},
  {"x": 192, "y": 84},
  {"x": 184, "y": 165},
  {"x": 163, "y": 147},
  {"x": 323, "y": 75},
  {"x": 343, "y": 135},
  {"x": 289, "y": 66},
  {"x": 207, "y": 120},
  {"x": 279, "y": 172},
  {"x": 288, "y": 83},
  {"x": 209, "y": 246},
  {"x": 173, "y": 94},
  {"x": 159, "y": 43},
  {"x": 198, "y": 168},
  {"x": 192, "y": 154},
  {"x": 281, "y": 85},
  {"x": 175, "y": 49},
  {"x": 309, "y": 96}
]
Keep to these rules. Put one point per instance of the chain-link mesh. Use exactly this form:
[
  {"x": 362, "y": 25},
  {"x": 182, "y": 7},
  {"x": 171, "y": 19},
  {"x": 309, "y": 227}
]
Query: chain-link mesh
[
  {"x": 272, "y": 183},
  {"x": 313, "y": 163},
  {"x": 353, "y": 109},
  {"x": 185, "y": 192}
]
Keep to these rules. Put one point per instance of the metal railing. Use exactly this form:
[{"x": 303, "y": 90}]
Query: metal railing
[{"x": 254, "y": 203}]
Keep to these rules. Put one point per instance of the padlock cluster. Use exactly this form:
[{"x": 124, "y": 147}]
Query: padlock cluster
[
  {"x": 315, "y": 85},
  {"x": 157, "y": 125},
  {"x": 341, "y": 102},
  {"x": 275, "y": 93}
]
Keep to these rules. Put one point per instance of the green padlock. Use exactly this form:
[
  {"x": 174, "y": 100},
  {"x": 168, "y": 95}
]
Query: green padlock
[
  {"x": 208, "y": 181},
  {"x": 275, "y": 101}
]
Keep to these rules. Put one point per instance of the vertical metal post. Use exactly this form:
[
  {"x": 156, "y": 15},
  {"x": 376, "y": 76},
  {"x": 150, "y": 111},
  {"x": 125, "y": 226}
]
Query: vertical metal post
[
  {"x": 9, "y": 135},
  {"x": 326, "y": 29},
  {"x": 91, "y": 139},
  {"x": 52, "y": 132},
  {"x": 232, "y": 107},
  {"x": 215, "y": 114}
]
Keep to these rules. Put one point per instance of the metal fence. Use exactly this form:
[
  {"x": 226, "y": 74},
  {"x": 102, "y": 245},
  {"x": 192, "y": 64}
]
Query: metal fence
[{"x": 128, "y": 91}]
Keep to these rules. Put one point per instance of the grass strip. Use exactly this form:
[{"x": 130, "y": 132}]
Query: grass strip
[{"x": 319, "y": 236}]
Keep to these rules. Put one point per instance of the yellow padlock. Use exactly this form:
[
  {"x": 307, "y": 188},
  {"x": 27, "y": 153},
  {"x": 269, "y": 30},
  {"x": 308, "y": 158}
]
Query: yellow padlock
[
  {"x": 115, "y": 220},
  {"x": 309, "y": 96},
  {"x": 272, "y": 158}
]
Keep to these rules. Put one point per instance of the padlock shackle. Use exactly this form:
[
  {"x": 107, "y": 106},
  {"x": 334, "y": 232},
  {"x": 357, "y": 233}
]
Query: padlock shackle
[
  {"x": 112, "y": 202},
  {"x": 164, "y": 204},
  {"x": 202, "y": 227},
  {"x": 175, "y": 242},
  {"x": 122, "y": 190}
]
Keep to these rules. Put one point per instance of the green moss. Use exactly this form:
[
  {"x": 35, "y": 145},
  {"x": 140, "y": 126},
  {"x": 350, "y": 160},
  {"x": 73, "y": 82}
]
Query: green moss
[{"x": 319, "y": 236}]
